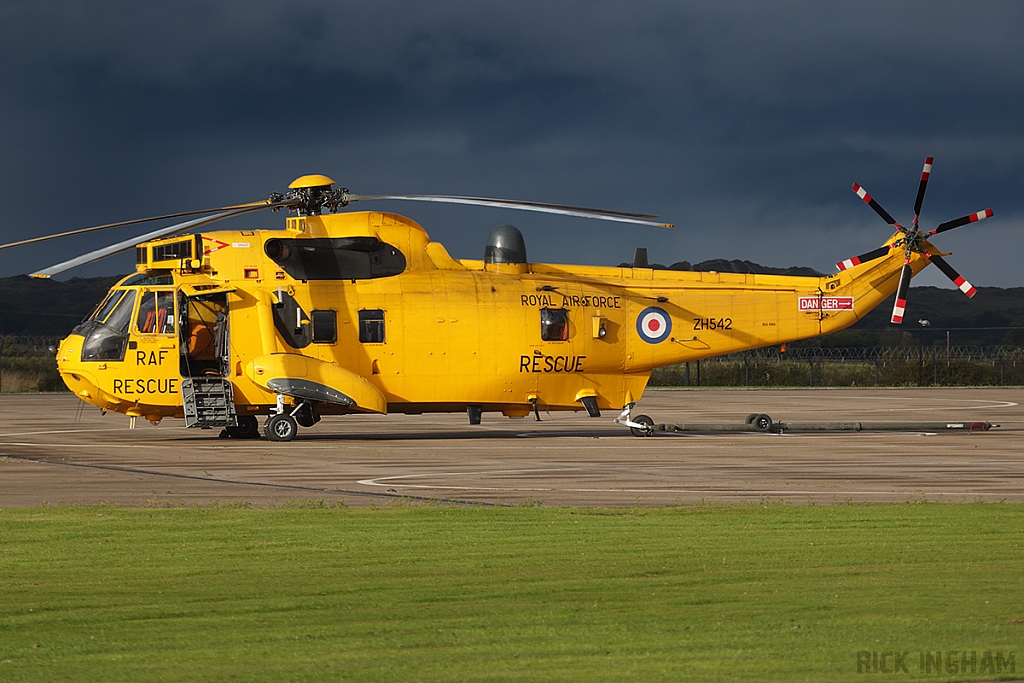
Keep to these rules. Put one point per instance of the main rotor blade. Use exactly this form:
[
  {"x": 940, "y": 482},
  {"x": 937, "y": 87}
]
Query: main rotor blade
[
  {"x": 864, "y": 258},
  {"x": 870, "y": 201},
  {"x": 130, "y": 243},
  {"x": 963, "y": 220},
  {"x": 579, "y": 211},
  {"x": 82, "y": 231},
  {"x": 958, "y": 279},
  {"x": 900, "y": 306},
  {"x": 921, "y": 188}
]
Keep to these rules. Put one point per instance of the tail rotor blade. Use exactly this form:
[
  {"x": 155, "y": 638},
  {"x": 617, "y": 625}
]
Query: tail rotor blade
[
  {"x": 864, "y": 258},
  {"x": 958, "y": 279},
  {"x": 870, "y": 201},
  {"x": 963, "y": 220},
  {"x": 921, "y": 188},
  {"x": 900, "y": 307}
]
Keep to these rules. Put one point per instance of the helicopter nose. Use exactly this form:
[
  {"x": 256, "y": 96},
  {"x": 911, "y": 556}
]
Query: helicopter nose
[
  {"x": 69, "y": 365},
  {"x": 80, "y": 385}
]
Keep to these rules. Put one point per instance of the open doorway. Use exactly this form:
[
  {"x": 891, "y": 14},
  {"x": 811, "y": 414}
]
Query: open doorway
[{"x": 204, "y": 335}]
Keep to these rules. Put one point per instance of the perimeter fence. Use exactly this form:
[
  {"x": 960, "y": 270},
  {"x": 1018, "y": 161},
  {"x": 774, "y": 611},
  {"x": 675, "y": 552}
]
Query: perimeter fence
[
  {"x": 28, "y": 364},
  {"x": 887, "y": 366}
]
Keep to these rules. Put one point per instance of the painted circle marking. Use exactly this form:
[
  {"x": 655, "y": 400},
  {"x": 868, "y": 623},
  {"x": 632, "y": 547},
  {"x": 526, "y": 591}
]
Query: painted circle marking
[{"x": 653, "y": 325}]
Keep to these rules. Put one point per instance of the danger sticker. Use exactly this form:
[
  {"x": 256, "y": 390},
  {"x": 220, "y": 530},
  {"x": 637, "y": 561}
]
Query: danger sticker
[{"x": 826, "y": 303}]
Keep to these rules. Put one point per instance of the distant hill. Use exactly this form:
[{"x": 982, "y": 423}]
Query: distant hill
[
  {"x": 30, "y": 306},
  {"x": 735, "y": 266},
  {"x": 983, "y": 319}
]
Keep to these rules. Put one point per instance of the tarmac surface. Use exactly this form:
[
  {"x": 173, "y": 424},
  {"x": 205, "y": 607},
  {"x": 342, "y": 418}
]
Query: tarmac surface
[{"x": 56, "y": 450}]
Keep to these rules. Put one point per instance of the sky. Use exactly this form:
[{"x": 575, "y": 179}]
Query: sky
[{"x": 744, "y": 123}]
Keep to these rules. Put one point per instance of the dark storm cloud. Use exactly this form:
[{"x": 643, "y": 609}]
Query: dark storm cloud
[{"x": 743, "y": 122}]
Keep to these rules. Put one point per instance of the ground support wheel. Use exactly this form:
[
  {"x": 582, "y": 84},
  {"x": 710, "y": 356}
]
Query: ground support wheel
[
  {"x": 750, "y": 418},
  {"x": 644, "y": 420},
  {"x": 280, "y": 427},
  {"x": 762, "y": 423},
  {"x": 248, "y": 428}
]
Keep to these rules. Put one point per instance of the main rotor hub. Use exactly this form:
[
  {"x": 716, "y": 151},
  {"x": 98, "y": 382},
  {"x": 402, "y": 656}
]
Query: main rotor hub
[
  {"x": 311, "y": 181},
  {"x": 312, "y": 193}
]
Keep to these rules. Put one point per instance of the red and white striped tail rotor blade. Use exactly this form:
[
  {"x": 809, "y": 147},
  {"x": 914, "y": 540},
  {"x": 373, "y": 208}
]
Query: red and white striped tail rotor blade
[
  {"x": 870, "y": 201},
  {"x": 963, "y": 220},
  {"x": 864, "y": 258},
  {"x": 958, "y": 279},
  {"x": 900, "y": 307},
  {"x": 925, "y": 174}
]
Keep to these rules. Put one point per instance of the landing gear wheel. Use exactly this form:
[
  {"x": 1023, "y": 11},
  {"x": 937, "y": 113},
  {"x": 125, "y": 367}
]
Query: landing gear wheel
[
  {"x": 751, "y": 418},
  {"x": 307, "y": 415},
  {"x": 280, "y": 427},
  {"x": 248, "y": 428},
  {"x": 762, "y": 423},
  {"x": 644, "y": 420}
]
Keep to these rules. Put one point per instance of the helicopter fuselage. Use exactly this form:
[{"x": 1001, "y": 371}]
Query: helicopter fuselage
[{"x": 361, "y": 312}]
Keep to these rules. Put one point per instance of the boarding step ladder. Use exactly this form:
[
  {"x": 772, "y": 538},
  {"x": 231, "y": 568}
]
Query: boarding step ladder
[{"x": 209, "y": 402}]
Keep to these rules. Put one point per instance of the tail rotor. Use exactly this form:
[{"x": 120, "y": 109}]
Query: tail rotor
[{"x": 913, "y": 240}]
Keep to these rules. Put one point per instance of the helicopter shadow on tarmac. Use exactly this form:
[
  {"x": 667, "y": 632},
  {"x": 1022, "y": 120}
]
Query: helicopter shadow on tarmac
[{"x": 461, "y": 435}]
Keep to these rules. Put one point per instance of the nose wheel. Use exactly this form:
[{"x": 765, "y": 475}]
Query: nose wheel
[{"x": 280, "y": 427}]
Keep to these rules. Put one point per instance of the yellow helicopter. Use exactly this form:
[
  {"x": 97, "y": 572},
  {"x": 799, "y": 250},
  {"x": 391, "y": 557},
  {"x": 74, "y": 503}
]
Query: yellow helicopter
[{"x": 360, "y": 312}]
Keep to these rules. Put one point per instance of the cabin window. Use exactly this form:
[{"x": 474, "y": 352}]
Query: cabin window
[
  {"x": 291, "y": 321},
  {"x": 325, "y": 327},
  {"x": 371, "y": 326},
  {"x": 156, "y": 313},
  {"x": 554, "y": 324},
  {"x": 335, "y": 258}
]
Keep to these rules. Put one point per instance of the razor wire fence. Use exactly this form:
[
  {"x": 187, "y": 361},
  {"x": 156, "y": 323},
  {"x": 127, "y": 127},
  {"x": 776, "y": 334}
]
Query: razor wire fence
[{"x": 854, "y": 366}]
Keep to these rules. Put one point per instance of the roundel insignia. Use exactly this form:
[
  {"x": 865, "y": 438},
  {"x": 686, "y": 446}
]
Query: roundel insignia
[{"x": 653, "y": 325}]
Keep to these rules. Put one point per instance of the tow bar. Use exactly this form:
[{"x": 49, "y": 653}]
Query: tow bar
[{"x": 759, "y": 422}]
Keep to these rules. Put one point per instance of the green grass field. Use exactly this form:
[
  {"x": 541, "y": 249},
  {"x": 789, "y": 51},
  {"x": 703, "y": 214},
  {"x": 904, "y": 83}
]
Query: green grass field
[{"x": 765, "y": 592}]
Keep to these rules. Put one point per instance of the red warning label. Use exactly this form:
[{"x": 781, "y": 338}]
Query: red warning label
[{"x": 826, "y": 303}]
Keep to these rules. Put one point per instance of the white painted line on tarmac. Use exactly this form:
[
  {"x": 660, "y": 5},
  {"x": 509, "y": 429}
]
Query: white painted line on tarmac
[
  {"x": 393, "y": 482},
  {"x": 91, "y": 444},
  {"x": 758, "y": 492},
  {"x": 65, "y": 431}
]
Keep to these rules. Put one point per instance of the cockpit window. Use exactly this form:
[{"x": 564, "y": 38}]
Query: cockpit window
[
  {"x": 122, "y": 315},
  {"x": 103, "y": 310},
  {"x": 153, "y": 279},
  {"x": 156, "y": 313},
  {"x": 106, "y": 339}
]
